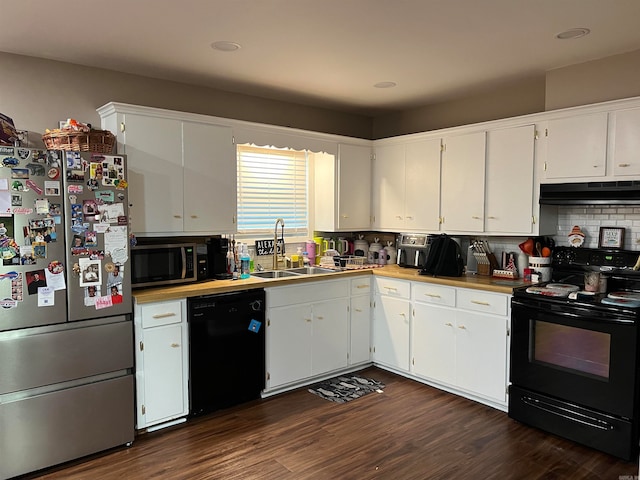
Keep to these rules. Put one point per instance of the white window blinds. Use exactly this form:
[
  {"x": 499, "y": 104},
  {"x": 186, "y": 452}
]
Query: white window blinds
[{"x": 272, "y": 183}]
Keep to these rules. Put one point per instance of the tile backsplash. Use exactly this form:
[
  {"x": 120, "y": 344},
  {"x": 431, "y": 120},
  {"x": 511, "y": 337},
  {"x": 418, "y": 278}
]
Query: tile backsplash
[{"x": 591, "y": 218}]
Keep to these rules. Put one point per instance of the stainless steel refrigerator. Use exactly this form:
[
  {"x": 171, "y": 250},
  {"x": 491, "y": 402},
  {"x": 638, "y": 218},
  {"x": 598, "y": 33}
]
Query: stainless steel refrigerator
[{"x": 66, "y": 339}]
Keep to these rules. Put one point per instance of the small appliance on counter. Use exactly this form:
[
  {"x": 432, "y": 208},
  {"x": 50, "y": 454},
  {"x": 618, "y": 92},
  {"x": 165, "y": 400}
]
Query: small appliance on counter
[
  {"x": 217, "y": 256},
  {"x": 156, "y": 264},
  {"x": 413, "y": 250}
]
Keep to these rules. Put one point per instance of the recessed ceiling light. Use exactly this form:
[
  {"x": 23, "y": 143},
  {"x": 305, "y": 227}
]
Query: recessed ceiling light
[
  {"x": 225, "y": 46},
  {"x": 385, "y": 84},
  {"x": 573, "y": 33}
]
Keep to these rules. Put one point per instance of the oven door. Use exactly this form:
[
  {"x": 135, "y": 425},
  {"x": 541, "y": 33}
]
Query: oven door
[{"x": 579, "y": 354}]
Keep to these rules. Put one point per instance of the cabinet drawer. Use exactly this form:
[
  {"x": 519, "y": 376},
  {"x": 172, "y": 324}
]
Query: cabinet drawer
[
  {"x": 393, "y": 288},
  {"x": 485, "y": 302},
  {"x": 361, "y": 285},
  {"x": 430, "y": 293},
  {"x": 162, "y": 313}
]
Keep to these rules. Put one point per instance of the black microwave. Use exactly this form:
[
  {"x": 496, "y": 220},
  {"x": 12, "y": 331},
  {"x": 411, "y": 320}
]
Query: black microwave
[{"x": 165, "y": 264}]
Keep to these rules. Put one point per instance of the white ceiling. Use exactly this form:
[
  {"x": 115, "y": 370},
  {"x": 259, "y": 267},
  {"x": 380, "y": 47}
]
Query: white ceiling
[{"x": 326, "y": 53}]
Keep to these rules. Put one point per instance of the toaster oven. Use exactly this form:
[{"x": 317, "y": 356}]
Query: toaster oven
[{"x": 413, "y": 249}]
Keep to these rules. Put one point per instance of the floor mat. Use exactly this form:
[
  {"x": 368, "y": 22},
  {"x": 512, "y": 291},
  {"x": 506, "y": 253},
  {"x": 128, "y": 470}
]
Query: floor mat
[{"x": 345, "y": 388}]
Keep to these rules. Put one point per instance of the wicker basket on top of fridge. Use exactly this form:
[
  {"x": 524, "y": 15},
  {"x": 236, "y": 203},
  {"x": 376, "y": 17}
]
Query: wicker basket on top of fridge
[{"x": 79, "y": 137}]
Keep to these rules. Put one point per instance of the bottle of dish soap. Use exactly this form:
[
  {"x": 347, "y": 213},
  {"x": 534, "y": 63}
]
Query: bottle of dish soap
[
  {"x": 299, "y": 256},
  {"x": 245, "y": 262},
  {"x": 305, "y": 259}
]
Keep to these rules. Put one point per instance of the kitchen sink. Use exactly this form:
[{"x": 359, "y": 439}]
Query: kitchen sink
[
  {"x": 275, "y": 274},
  {"x": 311, "y": 270}
]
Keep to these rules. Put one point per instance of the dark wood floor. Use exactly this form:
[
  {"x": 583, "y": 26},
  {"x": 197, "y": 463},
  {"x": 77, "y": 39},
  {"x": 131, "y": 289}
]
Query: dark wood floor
[{"x": 411, "y": 431}]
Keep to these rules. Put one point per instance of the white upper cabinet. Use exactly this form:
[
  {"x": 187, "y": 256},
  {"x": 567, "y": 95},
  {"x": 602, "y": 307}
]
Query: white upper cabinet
[
  {"x": 182, "y": 174},
  {"x": 422, "y": 185},
  {"x": 210, "y": 171},
  {"x": 343, "y": 189},
  {"x": 406, "y": 186},
  {"x": 509, "y": 190},
  {"x": 388, "y": 187},
  {"x": 462, "y": 194},
  {"x": 577, "y": 146},
  {"x": 625, "y": 133},
  {"x": 153, "y": 146}
]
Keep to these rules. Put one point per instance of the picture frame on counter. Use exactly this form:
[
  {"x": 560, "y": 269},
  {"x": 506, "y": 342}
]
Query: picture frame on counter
[{"x": 611, "y": 237}]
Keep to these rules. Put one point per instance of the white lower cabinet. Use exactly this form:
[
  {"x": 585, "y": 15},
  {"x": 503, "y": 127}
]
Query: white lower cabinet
[
  {"x": 391, "y": 323},
  {"x": 360, "y": 321},
  {"x": 433, "y": 343},
  {"x": 307, "y": 331},
  {"x": 460, "y": 339},
  {"x": 161, "y": 340}
]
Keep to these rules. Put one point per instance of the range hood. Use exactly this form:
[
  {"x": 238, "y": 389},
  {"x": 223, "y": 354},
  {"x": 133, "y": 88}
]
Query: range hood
[{"x": 591, "y": 193}]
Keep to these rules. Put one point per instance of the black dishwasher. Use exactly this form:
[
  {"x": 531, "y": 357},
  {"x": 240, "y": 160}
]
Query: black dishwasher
[{"x": 226, "y": 349}]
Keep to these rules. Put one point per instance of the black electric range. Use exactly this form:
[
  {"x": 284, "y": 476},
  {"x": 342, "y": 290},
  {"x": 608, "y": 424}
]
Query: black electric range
[{"x": 575, "y": 357}]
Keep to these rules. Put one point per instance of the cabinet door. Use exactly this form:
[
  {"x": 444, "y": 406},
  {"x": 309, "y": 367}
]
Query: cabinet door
[
  {"x": 210, "y": 179},
  {"x": 389, "y": 187},
  {"x": 288, "y": 344},
  {"x": 360, "y": 329},
  {"x": 164, "y": 382},
  {"x": 462, "y": 190},
  {"x": 153, "y": 147},
  {"x": 330, "y": 345},
  {"x": 354, "y": 187},
  {"x": 422, "y": 185},
  {"x": 577, "y": 146},
  {"x": 391, "y": 322},
  {"x": 626, "y": 142},
  {"x": 481, "y": 354},
  {"x": 433, "y": 343},
  {"x": 509, "y": 180}
]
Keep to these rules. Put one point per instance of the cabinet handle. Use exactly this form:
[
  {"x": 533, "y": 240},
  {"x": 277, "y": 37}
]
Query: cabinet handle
[
  {"x": 307, "y": 320},
  {"x": 478, "y": 302},
  {"x": 358, "y": 310},
  {"x": 408, "y": 217},
  {"x": 391, "y": 288},
  {"x": 175, "y": 345},
  {"x": 404, "y": 315},
  {"x": 345, "y": 216},
  {"x": 491, "y": 218},
  {"x": 362, "y": 286},
  {"x": 475, "y": 217},
  {"x": 319, "y": 317},
  {"x": 449, "y": 324},
  {"x": 432, "y": 295},
  {"x": 462, "y": 327},
  {"x": 194, "y": 216},
  {"x": 398, "y": 217},
  {"x": 164, "y": 315},
  {"x": 177, "y": 216},
  {"x": 624, "y": 164}
]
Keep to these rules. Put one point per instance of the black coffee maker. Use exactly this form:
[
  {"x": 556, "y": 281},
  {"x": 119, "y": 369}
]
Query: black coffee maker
[{"x": 217, "y": 252}]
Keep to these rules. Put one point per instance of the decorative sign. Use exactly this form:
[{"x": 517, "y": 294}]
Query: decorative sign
[{"x": 265, "y": 247}]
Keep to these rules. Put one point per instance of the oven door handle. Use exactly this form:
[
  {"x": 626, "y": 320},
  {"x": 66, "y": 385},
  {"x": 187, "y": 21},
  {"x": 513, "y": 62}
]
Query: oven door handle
[
  {"x": 601, "y": 317},
  {"x": 566, "y": 413}
]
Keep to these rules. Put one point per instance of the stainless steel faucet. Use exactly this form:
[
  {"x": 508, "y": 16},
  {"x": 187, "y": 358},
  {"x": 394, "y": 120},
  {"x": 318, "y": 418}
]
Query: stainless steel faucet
[{"x": 275, "y": 243}]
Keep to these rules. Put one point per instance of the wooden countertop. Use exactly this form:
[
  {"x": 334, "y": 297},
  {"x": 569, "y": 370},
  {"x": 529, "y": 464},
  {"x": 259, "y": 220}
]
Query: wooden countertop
[{"x": 477, "y": 282}]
